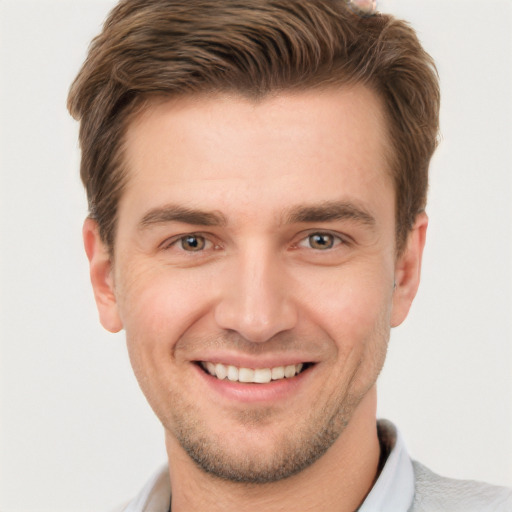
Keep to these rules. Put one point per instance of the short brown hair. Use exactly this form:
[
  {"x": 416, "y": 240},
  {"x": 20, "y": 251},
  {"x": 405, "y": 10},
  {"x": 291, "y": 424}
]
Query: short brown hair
[{"x": 176, "y": 47}]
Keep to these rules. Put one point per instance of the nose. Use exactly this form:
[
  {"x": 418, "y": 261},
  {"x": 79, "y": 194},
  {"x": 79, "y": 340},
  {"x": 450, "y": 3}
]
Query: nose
[{"x": 256, "y": 299}]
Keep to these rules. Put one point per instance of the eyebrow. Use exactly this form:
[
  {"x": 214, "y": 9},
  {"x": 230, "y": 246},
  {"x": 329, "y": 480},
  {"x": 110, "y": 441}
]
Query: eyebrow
[
  {"x": 324, "y": 212},
  {"x": 173, "y": 213},
  {"x": 330, "y": 211}
]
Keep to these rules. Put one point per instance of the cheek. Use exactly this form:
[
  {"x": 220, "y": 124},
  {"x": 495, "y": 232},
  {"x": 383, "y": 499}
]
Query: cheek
[
  {"x": 352, "y": 306},
  {"x": 158, "y": 307}
]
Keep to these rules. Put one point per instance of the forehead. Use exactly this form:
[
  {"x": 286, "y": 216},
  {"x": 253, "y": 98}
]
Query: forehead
[{"x": 232, "y": 153}]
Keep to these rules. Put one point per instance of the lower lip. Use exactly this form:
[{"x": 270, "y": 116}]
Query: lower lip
[{"x": 248, "y": 392}]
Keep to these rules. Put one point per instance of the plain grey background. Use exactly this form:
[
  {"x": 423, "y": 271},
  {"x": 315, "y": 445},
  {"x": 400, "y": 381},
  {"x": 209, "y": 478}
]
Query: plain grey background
[{"x": 76, "y": 433}]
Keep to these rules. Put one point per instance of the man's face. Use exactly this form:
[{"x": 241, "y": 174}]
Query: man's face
[{"x": 256, "y": 240}]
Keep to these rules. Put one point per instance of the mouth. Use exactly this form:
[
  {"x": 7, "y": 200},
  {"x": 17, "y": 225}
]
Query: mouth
[{"x": 252, "y": 375}]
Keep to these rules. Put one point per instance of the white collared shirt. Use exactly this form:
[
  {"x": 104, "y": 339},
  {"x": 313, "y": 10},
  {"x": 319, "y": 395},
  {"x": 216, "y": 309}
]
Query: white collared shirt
[{"x": 394, "y": 489}]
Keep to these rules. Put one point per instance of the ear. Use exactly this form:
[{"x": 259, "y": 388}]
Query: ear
[
  {"x": 408, "y": 270},
  {"x": 100, "y": 269}
]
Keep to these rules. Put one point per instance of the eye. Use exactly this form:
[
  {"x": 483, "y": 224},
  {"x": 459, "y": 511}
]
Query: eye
[
  {"x": 192, "y": 243},
  {"x": 321, "y": 241},
  {"x": 189, "y": 243}
]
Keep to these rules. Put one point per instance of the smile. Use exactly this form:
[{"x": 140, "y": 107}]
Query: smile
[{"x": 252, "y": 375}]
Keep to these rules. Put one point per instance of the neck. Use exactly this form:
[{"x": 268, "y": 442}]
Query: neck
[{"x": 337, "y": 482}]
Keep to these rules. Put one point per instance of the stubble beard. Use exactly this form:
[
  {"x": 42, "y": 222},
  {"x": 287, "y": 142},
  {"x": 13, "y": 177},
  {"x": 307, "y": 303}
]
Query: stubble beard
[{"x": 293, "y": 451}]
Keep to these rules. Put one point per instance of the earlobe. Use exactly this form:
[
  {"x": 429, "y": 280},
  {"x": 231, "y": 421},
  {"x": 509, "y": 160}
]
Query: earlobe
[
  {"x": 408, "y": 270},
  {"x": 100, "y": 269}
]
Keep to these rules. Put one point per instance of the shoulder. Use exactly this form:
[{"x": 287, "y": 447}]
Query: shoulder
[
  {"x": 155, "y": 496},
  {"x": 434, "y": 493}
]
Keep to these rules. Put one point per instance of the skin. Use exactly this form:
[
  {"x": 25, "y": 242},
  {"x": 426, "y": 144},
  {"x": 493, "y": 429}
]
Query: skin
[{"x": 260, "y": 291}]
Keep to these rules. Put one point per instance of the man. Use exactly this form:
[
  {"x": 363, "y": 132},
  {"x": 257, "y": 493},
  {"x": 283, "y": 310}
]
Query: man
[{"x": 256, "y": 175}]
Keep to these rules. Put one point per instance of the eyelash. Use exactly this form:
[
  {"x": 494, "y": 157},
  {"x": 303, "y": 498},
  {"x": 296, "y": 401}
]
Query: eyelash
[
  {"x": 337, "y": 240},
  {"x": 168, "y": 244}
]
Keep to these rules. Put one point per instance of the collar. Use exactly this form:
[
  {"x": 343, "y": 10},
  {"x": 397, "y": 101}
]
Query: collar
[
  {"x": 394, "y": 489},
  {"x": 392, "y": 492}
]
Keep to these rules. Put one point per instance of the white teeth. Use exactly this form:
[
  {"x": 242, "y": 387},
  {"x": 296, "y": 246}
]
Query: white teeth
[
  {"x": 278, "y": 373},
  {"x": 289, "y": 371},
  {"x": 221, "y": 371},
  {"x": 262, "y": 376},
  {"x": 246, "y": 375},
  {"x": 232, "y": 373},
  {"x": 249, "y": 375}
]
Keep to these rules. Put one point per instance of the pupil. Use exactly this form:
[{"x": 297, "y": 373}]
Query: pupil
[
  {"x": 321, "y": 241},
  {"x": 193, "y": 243}
]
